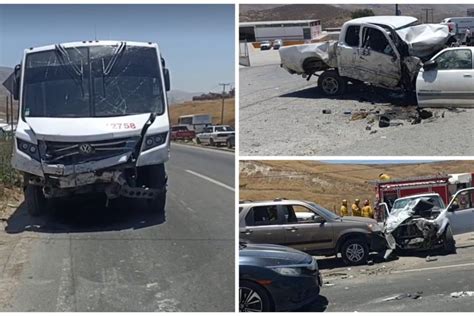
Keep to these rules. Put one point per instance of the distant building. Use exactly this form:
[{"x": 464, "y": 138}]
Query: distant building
[
  {"x": 285, "y": 30},
  {"x": 470, "y": 12}
]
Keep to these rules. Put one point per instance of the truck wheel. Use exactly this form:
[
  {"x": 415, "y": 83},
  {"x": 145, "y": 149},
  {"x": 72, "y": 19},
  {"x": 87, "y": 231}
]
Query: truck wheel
[
  {"x": 355, "y": 251},
  {"x": 155, "y": 177},
  {"x": 198, "y": 141},
  {"x": 449, "y": 244},
  {"x": 331, "y": 83},
  {"x": 229, "y": 144},
  {"x": 211, "y": 142},
  {"x": 35, "y": 200}
]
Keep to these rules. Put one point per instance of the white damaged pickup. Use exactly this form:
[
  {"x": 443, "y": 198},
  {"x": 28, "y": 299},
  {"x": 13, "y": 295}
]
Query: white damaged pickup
[{"x": 384, "y": 51}]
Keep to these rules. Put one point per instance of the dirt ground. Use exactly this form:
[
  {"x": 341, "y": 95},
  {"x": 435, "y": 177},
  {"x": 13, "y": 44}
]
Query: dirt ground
[
  {"x": 283, "y": 114},
  {"x": 327, "y": 184}
]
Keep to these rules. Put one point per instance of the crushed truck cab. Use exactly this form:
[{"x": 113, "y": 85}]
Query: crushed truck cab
[
  {"x": 384, "y": 51},
  {"x": 93, "y": 117}
]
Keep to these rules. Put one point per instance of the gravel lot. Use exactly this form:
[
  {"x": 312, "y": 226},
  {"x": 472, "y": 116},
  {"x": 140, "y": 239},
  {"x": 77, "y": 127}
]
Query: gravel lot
[{"x": 282, "y": 114}]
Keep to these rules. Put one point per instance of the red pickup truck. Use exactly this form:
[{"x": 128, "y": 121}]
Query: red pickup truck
[{"x": 181, "y": 132}]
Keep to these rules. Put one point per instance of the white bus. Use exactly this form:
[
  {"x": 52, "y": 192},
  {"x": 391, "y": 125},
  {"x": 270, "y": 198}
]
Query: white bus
[{"x": 195, "y": 122}]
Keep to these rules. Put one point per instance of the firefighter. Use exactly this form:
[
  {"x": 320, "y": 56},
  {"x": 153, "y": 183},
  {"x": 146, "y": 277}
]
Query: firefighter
[
  {"x": 384, "y": 176},
  {"x": 367, "y": 210},
  {"x": 344, "y": 211},
  {"x": 356, "y": 211}
]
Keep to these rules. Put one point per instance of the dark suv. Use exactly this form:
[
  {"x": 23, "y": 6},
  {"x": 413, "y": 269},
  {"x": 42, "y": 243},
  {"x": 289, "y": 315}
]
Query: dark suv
[
  {"x": 311, "y": 228},
  {"x": 276, "y": 278}
]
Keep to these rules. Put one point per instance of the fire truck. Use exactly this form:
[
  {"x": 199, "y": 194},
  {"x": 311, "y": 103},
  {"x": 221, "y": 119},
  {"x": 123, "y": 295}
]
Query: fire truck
[{"x": 387, "y": 191}]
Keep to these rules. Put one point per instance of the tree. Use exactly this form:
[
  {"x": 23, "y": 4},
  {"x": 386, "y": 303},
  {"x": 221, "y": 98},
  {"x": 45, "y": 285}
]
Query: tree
[{"x": 359, "y": 13}]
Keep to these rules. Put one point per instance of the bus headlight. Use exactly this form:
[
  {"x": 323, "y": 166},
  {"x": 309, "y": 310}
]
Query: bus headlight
[
  {"x": 155, "y": 140},
  {"x": 28, "y": 148}
]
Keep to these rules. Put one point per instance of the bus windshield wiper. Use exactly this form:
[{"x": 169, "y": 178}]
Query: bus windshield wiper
[
  {"x": 116, "y": 54},
  {"x": 65, "y": 61}
]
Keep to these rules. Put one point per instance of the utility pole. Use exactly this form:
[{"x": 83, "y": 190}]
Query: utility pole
[
  {"x": 223, "y": 98},
  {"x": 428, "y": 10}
]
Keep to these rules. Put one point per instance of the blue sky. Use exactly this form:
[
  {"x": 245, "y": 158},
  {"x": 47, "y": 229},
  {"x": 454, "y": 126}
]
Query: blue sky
[{"x": 197, "y": 41}]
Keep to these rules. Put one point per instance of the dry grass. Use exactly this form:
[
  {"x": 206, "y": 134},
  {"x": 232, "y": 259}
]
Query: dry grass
[
  {"x": 205, "y": 107},
  {"x": 327, "y": 184}
]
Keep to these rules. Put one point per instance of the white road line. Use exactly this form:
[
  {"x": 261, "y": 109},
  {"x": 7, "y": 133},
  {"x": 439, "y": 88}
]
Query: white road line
[
  {"x": 224, "y": 152},
  {"x": 436, "y": 268},
  {"x": 211, "y": 180}
]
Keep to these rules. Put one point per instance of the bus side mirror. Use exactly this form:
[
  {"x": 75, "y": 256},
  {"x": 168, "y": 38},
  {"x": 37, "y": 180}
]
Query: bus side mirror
[
  {"x": 16, "y": 82},
  {"x": 166, "y": 74}
]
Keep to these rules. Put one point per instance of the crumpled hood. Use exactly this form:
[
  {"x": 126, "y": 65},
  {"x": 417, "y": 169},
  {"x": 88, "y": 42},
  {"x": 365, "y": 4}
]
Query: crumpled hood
[
  {"x": 425, "y": 39},
  {"x": 90, "y": 128},
  {"x": 272, "y": 255},
  {"x": 292, "y": 57}
]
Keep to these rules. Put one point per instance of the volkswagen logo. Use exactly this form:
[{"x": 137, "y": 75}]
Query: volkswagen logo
[{"x": 85, "y": 149}]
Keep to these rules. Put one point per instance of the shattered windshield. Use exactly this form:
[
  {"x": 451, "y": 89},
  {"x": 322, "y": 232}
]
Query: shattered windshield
[
  {"x": 403, "y": 202},
  {"x": 95, "y": 81}
]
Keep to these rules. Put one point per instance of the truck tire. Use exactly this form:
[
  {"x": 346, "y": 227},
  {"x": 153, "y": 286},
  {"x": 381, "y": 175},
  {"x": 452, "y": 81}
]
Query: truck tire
[
  {"x": 355, "y": 251},
  {"x": 198, "y": 141},
  {"x": 35, "y": 200},
  {"x": 229, "y": 144},
  {"x": 211, "y": 142},
  {"x": 155, "y": 177},
  {"x": 331, "y": 83},
  {"x": 449, "y": 244}
]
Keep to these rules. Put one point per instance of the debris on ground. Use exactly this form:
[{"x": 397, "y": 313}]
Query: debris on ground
[
  {"x": 429, "y": 259},
  {"x": 326, "y": 111},
  {"x": 359, "y": 115},
  {"x": 462, "y": 294},
  {"x": 414, "y": 296},
  {"x": 327, "y": 284}
]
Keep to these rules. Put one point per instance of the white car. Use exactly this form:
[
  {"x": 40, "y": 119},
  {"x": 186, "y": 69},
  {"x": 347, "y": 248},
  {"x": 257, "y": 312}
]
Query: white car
[
  {"x": 447, "y": 79},
  {"x": 265, "y": 45},
  {"x": 215, "y": 135}
]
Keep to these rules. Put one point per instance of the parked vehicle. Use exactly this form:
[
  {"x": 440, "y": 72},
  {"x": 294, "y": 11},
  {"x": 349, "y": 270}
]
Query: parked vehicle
[
  {"x": 230, "y": 142},
  {"x": 277, "y": 43},
  {"x": 195, "y": 122},
  {"x": 265, "y": 45},
  {"x": 384, "y": 51},
  {"x": 215, "y": 135},
  {"x": 317, "y": 231},
  {"x": 447, "y": 79},
  {"x": 72, "y": 139},
  {"x": 276, "y": 278},
  {"x": 422, "y": 225},
  {"x": 458, "y": 25},
  {"x": 181, "y": 132}
]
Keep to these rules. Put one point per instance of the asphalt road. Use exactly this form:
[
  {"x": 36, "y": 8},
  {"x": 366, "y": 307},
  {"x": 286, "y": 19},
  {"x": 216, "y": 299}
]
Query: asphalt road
[
  {"x": 282, "y": 114},
  {"x": 85, "y": 257},
  {"x": 374, "y": 288}
]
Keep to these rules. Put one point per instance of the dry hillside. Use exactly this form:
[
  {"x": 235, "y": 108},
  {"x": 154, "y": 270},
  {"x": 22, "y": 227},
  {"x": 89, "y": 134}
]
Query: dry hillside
[
  {"x": 334, "y": 15},
  {"x": 327, "y": 184},
  {"x": 205, "y": 107}
]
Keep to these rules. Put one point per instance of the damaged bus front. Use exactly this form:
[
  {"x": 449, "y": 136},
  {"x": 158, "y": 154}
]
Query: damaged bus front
[{"x": 93, "y": 117}]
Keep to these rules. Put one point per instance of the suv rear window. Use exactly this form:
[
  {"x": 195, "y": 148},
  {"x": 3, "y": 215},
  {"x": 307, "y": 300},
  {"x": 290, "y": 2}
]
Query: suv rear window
[{"x": 262, "y": 215}]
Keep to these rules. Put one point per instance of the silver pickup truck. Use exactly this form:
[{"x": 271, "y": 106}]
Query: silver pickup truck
[{"x": 384, "y": 51}]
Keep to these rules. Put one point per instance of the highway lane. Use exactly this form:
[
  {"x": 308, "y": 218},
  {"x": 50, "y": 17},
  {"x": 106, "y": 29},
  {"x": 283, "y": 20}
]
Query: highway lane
[{"x": 85, "y": 257}]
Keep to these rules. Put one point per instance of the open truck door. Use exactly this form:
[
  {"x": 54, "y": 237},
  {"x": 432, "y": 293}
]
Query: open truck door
[
  {"x": 447, "y": 79},
  {"x": 460, "y": 211},
  {"x": 375, "y": 60}
]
